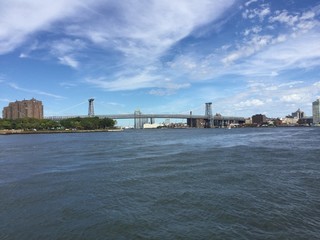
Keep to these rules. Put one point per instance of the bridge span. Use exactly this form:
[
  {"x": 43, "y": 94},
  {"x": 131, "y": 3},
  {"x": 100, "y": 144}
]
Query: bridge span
[
  {"x": 192, "y": 120},
  {"x": 132, "y": 116},
  {"x": 207, "y": 120}
]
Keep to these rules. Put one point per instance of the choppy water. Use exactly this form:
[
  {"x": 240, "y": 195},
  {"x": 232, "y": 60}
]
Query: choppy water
[{"x": 162, "y": 184}]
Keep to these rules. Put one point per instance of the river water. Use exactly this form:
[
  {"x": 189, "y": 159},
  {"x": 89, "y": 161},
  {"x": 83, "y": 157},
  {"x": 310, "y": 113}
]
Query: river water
[{"x": 253, "y": 183}]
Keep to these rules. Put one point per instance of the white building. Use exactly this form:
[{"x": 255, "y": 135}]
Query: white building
[
  {"x": 316, "y": 111},
  {"x": 290, "y": 120},
  {"x": 152, "y": 125}
]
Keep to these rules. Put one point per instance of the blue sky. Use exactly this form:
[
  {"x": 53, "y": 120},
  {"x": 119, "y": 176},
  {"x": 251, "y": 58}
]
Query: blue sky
[{"x": 168, "y": 56}]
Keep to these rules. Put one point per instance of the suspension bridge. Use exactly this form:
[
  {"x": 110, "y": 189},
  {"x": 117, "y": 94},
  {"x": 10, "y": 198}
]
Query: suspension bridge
[{"x": 207, "y": 120}]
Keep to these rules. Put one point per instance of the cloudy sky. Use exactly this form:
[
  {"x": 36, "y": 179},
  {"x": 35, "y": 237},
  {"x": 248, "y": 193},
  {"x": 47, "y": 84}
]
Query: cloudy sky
[{"x": 168, "y": 56}]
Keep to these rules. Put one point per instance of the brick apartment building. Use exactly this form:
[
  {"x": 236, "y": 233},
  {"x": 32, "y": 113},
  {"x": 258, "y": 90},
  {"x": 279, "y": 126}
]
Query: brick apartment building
[{"x": 23, "y": 109}]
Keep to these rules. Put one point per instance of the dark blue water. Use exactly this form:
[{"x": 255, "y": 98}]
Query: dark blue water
[{"x": 162, "y": 184}]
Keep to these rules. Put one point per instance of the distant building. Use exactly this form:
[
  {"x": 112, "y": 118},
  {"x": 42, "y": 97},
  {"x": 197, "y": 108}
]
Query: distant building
[
  {"x": 152, "y": 125},
  {"x": 248, "y": 121},
  {"x": 289, "y": 120},
  {"x": 196, "y": 122},
  {"x": 138, "y": 120},
  {"x": 298, "y": 114},
  {"x": 259, "y": 119},
  {"x": 306, "y": 121},
  {"x": 275, "y": 122},
  {"x": 316, "y": 111},
  {"x": 23, "y": 109}
]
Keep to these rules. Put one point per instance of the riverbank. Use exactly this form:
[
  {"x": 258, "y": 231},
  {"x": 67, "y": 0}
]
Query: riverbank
[{"x": 13, "y": 131}]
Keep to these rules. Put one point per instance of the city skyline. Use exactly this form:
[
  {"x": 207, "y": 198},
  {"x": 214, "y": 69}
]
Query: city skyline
[{"x": 246, "y": 57}]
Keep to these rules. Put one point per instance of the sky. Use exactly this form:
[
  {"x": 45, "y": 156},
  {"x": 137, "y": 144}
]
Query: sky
[{"x": 170, "y": 56}]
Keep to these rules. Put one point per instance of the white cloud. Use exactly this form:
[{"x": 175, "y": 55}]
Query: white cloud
[
  {"x": 23, "y": 55},
  {"x": 67, "y": 84},
  {"x": 253, "y": 45},
  {"x": 250, "y": 2},
  {"x": 250, "y": 103},
  {"x": 69, "y": 61},
  {"x": 168, "y": 89},
  {"x": 20, "y": 19},
  {"x": 298, "y": 22},
  {"x": 140, "y": 79},
  {"x": 145, "y": 30},
  {"x": 66, "y": 46},
  {"x": 308, "y": 15},
  {"x": 261, "y": 12},
  {"x": 66, "y": 51},
  {"x": 255, "y": 29},
  {"x": 129, "y": 82},
  {"x": 300, "y": 52},
  {"x": 284, "y": 17},
  {"x": 141, "y": 31},
  {"x": 317, "y": 84},
  {"x": 295, "y": 97}
]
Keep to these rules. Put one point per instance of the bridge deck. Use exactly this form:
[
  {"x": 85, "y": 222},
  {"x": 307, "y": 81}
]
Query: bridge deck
[{"x": 133, "y": 116}]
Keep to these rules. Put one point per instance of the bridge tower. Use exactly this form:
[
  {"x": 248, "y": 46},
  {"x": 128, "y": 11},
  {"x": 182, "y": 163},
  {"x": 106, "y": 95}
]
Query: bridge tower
[
  {"x": 91, "y": 108},
  {"x": 208, "y": 114}
]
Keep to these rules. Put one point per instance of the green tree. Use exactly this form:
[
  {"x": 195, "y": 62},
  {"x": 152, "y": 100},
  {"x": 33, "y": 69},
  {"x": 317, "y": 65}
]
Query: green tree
[{"x": 6, "y": 124}]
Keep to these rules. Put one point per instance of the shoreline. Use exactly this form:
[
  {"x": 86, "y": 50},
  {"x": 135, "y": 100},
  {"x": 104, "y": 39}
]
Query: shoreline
[
  {"x": 11, "y": 132},
  {"x": 19, "y": 131}
]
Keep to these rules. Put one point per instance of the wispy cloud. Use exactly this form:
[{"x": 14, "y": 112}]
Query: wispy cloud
[
  {"x": 168, "y": 89},
  {"x": 67, "y": 84},
  {"x": 148, "y": 29},
  {"x": 38, "y": 92},
  {"x": 258, "y": 53},
  {"x": 261, "y": 12},
  {"x": 21, "y": 19},
  {"x": 67, "y": 51},
  {"x": 138, "y": 29},
  {"x": 250, "y": 2},
  {"x": 69, "y": 61}
]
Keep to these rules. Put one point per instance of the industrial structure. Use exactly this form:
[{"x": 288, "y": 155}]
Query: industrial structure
[
  {"x": 91, "y": 108},
  {"x": 139, "y": 121},
  {"x": 23, "y": 109}
]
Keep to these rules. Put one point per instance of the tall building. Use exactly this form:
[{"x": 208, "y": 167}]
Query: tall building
[
  {"x": 298, "y": 114},
  {"x": 316, "y": 111},
  {"x": 23, "y": 109},
  {"x": 259, "y": 119}
]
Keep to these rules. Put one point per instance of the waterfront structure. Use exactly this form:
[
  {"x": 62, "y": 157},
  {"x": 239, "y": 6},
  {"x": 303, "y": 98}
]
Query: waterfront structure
[
  {"x": 316, "y": 111},
  {"x": 23, "y": 109},
  {"x": 259, "y": 119}
]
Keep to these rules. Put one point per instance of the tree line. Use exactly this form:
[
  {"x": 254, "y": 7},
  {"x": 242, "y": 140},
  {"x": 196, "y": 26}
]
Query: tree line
[{"x": 88, "y": 123}]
